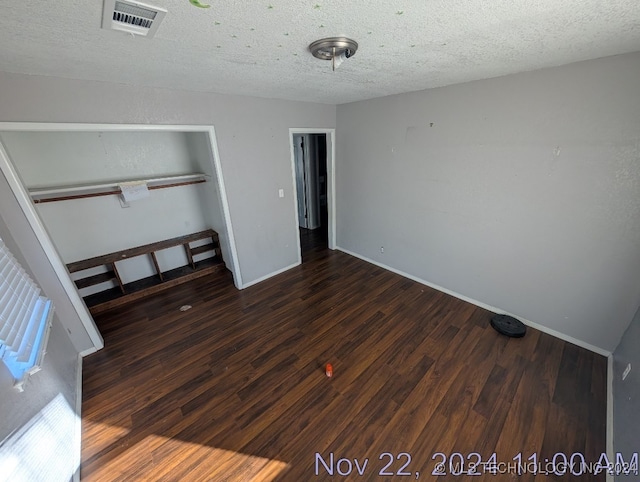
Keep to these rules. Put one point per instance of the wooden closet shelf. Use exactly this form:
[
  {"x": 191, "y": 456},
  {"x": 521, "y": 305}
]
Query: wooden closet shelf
[
  {"x": 96, "y": 279},
  {"x": 139, "y": 250},
  {"x": 104, "y": 300},
  {"x": 202, "y": 249},
  {"x": 124, "y": 293}
]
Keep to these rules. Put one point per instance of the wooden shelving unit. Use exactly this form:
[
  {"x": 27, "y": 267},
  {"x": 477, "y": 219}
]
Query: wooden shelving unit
[
  {"x": 124, "y": 293},
  {"x": 63, "y": 193}
]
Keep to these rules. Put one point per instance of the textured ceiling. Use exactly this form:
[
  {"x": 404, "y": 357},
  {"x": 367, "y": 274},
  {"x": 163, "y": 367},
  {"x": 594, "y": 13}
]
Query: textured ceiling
[{"x": 259, "y": 47}]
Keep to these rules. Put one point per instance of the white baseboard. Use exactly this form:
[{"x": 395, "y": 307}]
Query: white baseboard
[
  {"x": 270, "y": 275},
  {"x": 610, "y": 426},
  {"x": 88, "y": 351},
  {"x": 77, "y": 449},
  {"x": 542, "y": 328}
]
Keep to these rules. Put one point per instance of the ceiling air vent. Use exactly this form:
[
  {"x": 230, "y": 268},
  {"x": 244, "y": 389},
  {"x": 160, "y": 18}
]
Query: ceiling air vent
[{"x": 133, "y": 17}]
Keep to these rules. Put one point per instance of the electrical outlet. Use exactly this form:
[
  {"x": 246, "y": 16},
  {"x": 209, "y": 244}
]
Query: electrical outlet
[
  {"x": 626, "y": 371},
  {"x": 382, "y": 249}
]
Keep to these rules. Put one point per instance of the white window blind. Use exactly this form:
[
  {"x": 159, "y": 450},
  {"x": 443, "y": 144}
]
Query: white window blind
[{"x": 25, "y": 317}]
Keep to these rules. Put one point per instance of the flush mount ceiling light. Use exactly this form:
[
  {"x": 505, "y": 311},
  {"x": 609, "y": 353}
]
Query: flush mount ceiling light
[{"x": 336, "y": 49}]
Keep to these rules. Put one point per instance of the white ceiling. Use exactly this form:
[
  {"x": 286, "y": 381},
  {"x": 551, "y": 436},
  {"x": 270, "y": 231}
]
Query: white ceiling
[{"x": 259, "y": 47}]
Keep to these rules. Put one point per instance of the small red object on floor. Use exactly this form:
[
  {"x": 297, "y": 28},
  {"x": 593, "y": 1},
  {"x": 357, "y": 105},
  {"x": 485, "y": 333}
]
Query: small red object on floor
[{"x": 329, "y": 370}]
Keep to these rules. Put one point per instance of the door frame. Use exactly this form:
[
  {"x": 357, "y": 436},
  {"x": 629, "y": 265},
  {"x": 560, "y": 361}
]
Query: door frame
[
  {"x": 24, "y": 200},
  {"x": 331, "y": 184}
]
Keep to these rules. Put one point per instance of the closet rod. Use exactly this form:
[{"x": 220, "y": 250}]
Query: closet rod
[{"x": 95, "y": 190}]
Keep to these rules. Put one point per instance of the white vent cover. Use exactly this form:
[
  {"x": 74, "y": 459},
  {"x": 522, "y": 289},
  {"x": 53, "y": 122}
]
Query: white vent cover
[{"x": 130, "y": 16}]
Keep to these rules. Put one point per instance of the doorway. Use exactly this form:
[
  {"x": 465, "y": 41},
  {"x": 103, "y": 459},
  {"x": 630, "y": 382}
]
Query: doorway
[{"x": 312, "y": 200}]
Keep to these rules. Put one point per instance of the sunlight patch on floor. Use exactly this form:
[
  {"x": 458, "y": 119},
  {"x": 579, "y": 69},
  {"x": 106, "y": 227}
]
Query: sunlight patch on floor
[
  {"x": 98, "y": 436},
  {"x": 157, "y": 457}
]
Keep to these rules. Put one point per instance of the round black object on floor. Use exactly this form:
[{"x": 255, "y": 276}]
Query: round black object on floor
[{"x": 509, "y": 326}]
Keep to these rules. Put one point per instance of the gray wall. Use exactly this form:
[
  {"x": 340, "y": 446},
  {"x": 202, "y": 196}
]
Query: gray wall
[
  {"x": 626, "y": 394},
  {"x": 58, "y": 375},
  {"x": 253, "y": 140},
  {"x": 521, "y": 192}
]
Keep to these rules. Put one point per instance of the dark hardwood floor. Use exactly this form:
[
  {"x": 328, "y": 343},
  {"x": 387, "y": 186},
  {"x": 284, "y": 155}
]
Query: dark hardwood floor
[
  {"x": 313, "y": 243},
  {"x": 234, "y": 389}
]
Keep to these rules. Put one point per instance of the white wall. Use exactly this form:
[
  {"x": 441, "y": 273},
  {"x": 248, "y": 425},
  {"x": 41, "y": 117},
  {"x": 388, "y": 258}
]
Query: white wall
[
  {"x": 83, "y": 228},
  {"x": 46, "y": 159},
  {"x": 253, "y": 142},
  {"x": 90, "y": 227},
  {"x": 521, "y": 192}
]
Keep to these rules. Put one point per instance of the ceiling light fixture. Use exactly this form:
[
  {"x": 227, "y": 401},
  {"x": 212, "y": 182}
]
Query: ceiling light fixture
[{"x": 336, "y": 49}]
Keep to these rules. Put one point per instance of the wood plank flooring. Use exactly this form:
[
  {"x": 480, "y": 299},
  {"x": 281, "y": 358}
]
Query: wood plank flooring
[{"x": 234, "y": 389}]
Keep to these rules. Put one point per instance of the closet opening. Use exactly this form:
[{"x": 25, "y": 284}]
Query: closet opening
[{"x": 102, "y": 190}]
